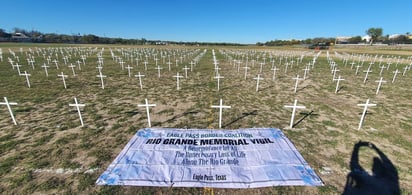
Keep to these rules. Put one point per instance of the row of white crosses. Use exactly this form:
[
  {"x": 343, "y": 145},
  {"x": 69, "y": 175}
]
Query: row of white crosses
[
  {"x": 220, "y": 107},
  {"x": 8, "y": 104},
  {"x": 31, "y": 62},
  {"x": 101, "y": 76},
  {"x": 134, "y": 56},
  {"x": 338, "y": 79},
  {"x": 272, "y": 57},
  {"x": 295, "y": 106},
  {"x": 395, "y": 73},
  {"x": 255, "y": 78},
  {"x": 158, "y": 67},
  {"x": 363, "y": 58},
  {"x": 147, "y": 106},
  {"x": 217, "y": 74},
  {"x": 236, "y": 64}
]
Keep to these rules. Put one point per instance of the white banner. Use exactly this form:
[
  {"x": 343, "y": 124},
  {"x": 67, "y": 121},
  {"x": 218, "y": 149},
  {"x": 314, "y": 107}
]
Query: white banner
[{"x": 244, "y": 158}]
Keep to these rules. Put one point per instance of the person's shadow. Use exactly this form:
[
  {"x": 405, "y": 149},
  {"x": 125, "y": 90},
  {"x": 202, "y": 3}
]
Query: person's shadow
[{"x": 384, "y": 178}]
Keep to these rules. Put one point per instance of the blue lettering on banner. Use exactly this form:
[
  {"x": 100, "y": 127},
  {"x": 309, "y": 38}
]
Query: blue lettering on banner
[{"x": 244, "y": 158}]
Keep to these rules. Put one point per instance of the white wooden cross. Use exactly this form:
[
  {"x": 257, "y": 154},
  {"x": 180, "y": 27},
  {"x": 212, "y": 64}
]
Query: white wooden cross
[
  {"x": 27, "y": 78},
  {"x": 394, "y": 75},
  {"x": 404, "y": 70},
  {"x": 45, "y": 69},
  {"x": 246, "y": 68},
  {"x": 258, "y": 78},
  {"x": 77, "y": 105},
  {"x": 128, "y": 67},
  {"x": 31, "y": 62},
  {"x": 177, "y": 76},
  {"x": 332, "y": 64},
  {"x": 261, "y": 67},
  {"x": 18, "y": 67},
  {"x": 140, "y": 80},
  {"x": 10, "y": 61},
  {"x": 100, "y": 61},
  {"x": 274, "y": 73},
  {"x": 158, "y": 68},
  {"x": 334, "y": 70},
  {"x": 220, "y": 106},
  {"x": 389, "y": 65},
  {"x": 216, "y": 66},
  {"x": 64, "y": 80},
  {"x": 145, "y": 65},
  {"x": 8, "y": 104},
  {"x": 367, "y": 73},
  {"x": 234, "y": 62},
  {"x": 286, "y": 67},
  {"x": 351, "y": 64},
  {"x": 382, "y": 67},
  {"x": 296, "y": 83},
  {"x": 79, "y": 64},
  {"x": 99, "y": 68},
  {"x": 186, "y": 68},
  {"x": 56, "y": 63},
  {"x": 337, "y": 84},
  {"x": 169, "y": 63},
  {"x": 122, "y": 64},
  {"x": 156, "y": 59},
  {"x": 72, "y": 67},
  {"x": 83, "y": 59},
  {"x": 357, "y": 69},
  {"x": 191, "y": 66},
  {"x": 379, "y": 84},
  {"x": 365, "y": 108},
  {"x": 306, "y": 72},
  {"x": 65, "y": 58},
  {"x": 239, "y": 62},
  {"x": 294, "y": 107},
  {"x": 101, "y": 76},
  {"x": 147, "y": 105},
  {"x": 218, "y": 77}
]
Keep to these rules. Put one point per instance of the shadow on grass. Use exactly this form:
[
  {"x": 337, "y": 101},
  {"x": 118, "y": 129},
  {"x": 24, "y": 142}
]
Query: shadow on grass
[
  {"x": 266, "y": 88},
  {"x": 383, "y": 180},
  {"x": 132, "y": 113},
  {"x": 340, "y": 88},
  {"x": 230, "y": 87},
  {"x": 244, "y": 115},
  {"x": 175, "y": 117},
  {"x": 311, "y": 113},
  {"x": 301, "y": 89}
]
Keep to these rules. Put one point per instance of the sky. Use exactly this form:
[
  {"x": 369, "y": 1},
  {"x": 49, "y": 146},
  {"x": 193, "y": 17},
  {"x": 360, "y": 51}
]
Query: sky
[{"x": 235, "y": 21}]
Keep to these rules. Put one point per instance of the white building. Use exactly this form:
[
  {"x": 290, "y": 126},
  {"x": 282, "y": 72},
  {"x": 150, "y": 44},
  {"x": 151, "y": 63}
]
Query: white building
[
  {"x": 366, "y": 38},
  {"x": 394, "y": 36},
  {"x": 342, "y": 40}
]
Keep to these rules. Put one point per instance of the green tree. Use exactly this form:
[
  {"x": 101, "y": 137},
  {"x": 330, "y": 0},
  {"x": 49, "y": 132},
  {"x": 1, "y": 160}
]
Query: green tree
[
  {"x": 355, "y": 40},
  {"x": 89, "y": 39},
  {"x": 374, "y": 33},
  {"x": 308, "y": 41},
  {"x": 4, "y": 34}
]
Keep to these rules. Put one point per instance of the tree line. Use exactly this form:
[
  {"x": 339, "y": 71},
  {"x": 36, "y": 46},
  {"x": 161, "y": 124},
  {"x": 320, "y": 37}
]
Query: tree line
[
  {"x": 375, "y": 34},
  {"x": 34, "y": 36},
  {"x": 39, "y": 37}
]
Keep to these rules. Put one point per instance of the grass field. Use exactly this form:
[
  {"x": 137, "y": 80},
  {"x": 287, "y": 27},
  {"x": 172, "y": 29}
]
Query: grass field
[{"x": 49, "y": 152}]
